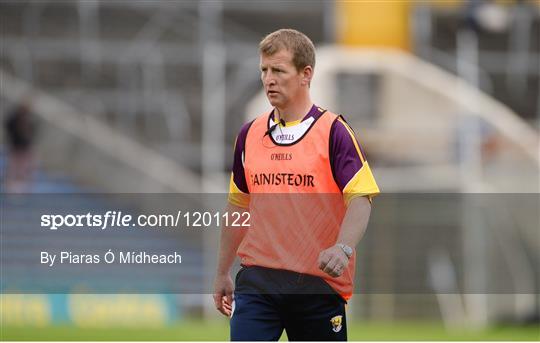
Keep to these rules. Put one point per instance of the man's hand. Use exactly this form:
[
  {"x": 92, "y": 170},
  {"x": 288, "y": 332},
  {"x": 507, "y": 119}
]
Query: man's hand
[
  {"x": 333, "y": 261},
  {"x": 223, "y": 294}
]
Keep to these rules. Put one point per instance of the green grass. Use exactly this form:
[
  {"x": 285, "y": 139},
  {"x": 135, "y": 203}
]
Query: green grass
[{"x": 218, "y": 331}]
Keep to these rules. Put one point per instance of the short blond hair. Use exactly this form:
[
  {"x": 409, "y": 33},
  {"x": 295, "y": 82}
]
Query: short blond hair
[{"x": 296, "y": 42}]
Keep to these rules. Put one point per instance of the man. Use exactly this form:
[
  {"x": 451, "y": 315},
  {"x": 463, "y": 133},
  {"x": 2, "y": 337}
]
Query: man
[
  {"x": 20, "y": 133},
  {"x": 302, "y": 176}
]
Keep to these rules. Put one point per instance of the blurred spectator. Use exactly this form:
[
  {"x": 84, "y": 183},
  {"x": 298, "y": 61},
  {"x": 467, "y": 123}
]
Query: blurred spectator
[
  {"x": 20, "y": 130},
  {"x": 486, "y": 16}
]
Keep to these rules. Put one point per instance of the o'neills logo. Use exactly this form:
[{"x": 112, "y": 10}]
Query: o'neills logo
[
  {"x": 276, "y": 179},
  {"x": 281, "y": 157},
  {"x": 284, "y": 137}
]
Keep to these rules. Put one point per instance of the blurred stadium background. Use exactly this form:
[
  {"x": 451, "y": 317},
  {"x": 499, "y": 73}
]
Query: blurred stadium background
[{"x": 148, "y": 96}]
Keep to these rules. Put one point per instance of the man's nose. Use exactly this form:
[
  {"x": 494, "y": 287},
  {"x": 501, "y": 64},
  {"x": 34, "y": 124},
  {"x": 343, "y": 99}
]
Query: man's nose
[{"x": 269, "y": 79}]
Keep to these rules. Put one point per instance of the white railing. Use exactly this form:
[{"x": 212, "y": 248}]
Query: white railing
[{"x": 165, "y": 171}]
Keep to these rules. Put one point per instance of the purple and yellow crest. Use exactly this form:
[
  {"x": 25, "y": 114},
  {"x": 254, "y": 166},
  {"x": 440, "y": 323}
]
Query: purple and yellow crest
[{"x": 336, "y": 323}]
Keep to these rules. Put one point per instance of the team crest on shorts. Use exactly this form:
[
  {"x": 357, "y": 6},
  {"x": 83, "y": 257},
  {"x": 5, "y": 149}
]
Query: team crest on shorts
[{"x": 336, "y": 323}]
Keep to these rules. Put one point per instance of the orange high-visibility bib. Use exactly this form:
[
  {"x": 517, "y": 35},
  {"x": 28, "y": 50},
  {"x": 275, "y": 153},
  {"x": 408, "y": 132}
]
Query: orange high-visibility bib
[{"x": 295, "y": 204}]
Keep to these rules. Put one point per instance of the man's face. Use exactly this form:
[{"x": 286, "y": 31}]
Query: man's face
[{"x": 281, "y": 81}]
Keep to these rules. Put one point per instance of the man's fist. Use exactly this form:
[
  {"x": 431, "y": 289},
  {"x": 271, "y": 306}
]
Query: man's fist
[
  {"x": 333, "y": 261},
  {"x": 223, "y": 294}
]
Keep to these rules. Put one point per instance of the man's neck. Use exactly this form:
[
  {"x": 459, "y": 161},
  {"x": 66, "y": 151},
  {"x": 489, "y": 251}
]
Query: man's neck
[{"x": 294, "y": 112}]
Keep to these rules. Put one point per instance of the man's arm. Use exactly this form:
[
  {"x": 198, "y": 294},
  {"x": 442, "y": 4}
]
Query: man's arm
[
  {"x": 355, "y": 222},
  {"x": 231, "y": 237},
  {"x": 354, "y": 177},
  {"x": 333, "y": 260}
]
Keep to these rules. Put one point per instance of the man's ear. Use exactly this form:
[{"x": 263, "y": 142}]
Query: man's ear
[{"x": 307, "y": 75}]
